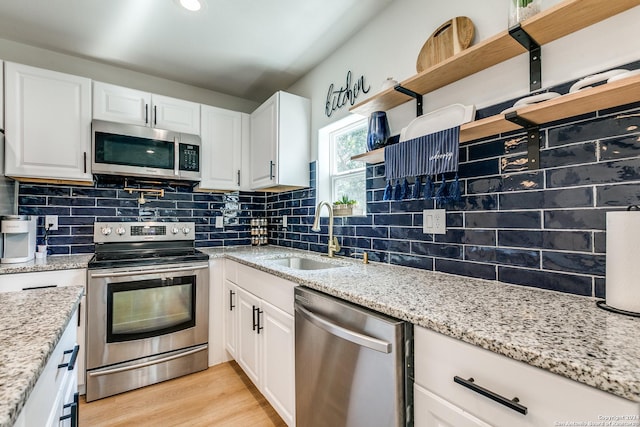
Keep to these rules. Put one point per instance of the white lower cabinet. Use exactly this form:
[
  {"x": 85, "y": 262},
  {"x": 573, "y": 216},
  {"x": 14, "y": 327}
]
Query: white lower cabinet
[
  {"x": 259, "y": 333},
  {"x": 54, "y": 399},
  {"x": 76, "y": 277},
  {"x": 230, "y": 310},
  {"x": 248, "y": 355},
  {"x": 549, "y": 399}
]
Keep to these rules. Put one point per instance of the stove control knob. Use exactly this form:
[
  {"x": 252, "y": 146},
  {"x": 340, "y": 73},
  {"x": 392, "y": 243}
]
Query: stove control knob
[
  {"x": 186, "y": 230},
  {"x": 105, "y": 231},
  {"x": 120, "y": 231},
  {"x": 175, "y": 230}
]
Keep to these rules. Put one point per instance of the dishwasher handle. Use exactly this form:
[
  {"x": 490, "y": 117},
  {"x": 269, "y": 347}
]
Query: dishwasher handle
[{"x": 344, "y": 333}]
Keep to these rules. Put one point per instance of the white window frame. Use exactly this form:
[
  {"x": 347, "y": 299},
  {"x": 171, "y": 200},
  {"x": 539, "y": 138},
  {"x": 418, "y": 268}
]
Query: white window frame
[{"x": 325, "y": 166}]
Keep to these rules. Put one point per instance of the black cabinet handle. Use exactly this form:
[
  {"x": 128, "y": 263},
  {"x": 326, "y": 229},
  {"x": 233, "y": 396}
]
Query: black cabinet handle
[
  {"x": 155, "y": 115},
  {"x": 258, "y": 316},
  {"x": 146, "y": 113},
  {"x": 73, "y": 413},
  {"x": 72, "y": 361},
  {"x": 271, "y": 169},
  {"x": 84, "y": 159},
  {"x": 255, "y": 324},
  {"x": 231, "y": 294},
  {"x": 238, "y": 177},
  {"x": 509, "y": 403}
]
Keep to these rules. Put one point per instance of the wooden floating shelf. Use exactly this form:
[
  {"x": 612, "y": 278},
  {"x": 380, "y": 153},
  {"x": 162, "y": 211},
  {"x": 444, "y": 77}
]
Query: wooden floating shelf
[
  {"x": 562, "y": 19},
  {"x": 601, "y": 97}
]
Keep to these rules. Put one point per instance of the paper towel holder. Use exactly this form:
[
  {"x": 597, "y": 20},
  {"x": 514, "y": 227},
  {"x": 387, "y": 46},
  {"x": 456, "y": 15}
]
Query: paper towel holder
[{"x": 603, "y": 305}]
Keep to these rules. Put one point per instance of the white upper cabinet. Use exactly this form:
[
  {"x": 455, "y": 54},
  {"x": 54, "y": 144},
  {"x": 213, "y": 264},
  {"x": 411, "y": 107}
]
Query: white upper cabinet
[
  {"x": 123, "y": 105},
  {"x": 225, "y": 140},
  {"x": 280, "y": 143},
  {"x": 48, "y": 124}
]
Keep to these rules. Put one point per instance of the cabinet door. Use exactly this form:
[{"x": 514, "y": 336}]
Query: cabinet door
[
  {"x": 248, "y": 351},
  {"x": 278, "y": 373},
  {"x": 264, "y": 144},
  {"x": 433, "y": 411},
  {"x": 48, "y": 124},
  {"x": 221, "y": 149},
  {"x": 120, "y": 104},
  {"x": 230, "y": 295},
  {"x": 175, "y": 114}
]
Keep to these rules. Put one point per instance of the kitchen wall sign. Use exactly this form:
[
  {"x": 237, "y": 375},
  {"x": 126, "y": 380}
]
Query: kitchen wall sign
[{"x": 338, "y": 98}]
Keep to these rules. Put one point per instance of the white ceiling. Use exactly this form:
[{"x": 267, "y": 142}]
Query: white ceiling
[{"x": 245, "y": 48}]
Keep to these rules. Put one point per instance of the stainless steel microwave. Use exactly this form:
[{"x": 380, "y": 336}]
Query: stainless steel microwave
[{"x": 131, "y": 150}]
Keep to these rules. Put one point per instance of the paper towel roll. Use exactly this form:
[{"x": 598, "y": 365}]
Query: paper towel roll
[{"x": 623, "y": 260}]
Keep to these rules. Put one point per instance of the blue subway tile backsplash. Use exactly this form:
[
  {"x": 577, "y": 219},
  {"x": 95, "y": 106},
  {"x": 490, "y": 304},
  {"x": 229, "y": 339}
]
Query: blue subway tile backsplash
[{"x": 539, "y": 228}]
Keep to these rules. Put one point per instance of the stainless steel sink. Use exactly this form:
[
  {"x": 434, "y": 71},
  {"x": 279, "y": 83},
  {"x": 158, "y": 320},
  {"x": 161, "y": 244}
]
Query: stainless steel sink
[{"x": 304, "y": 263}]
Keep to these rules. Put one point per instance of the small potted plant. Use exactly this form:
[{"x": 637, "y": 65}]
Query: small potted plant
[
  {"x": 522, "y": 9},
  {"x": 346, "y": 206}
]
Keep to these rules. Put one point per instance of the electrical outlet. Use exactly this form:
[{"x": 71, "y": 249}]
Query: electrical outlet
[
  {"x": 51, "y": 222},
  {"x": 284, "y": 221},
  {"x": 434, "y": 221},
  {"x": 220, "y": 221}
]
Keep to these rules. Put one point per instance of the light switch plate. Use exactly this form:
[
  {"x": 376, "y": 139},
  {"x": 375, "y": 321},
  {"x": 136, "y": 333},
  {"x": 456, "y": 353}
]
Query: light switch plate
[
  {"x": 51, "y": 222},
  {"x": 220, "y": 221},
  {"x": 434, "y": 221},
  {"x": 284, "y": 221}
]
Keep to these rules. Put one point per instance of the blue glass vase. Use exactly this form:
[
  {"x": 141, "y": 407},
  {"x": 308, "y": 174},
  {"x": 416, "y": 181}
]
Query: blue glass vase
[{"x": 378, "y": 132}]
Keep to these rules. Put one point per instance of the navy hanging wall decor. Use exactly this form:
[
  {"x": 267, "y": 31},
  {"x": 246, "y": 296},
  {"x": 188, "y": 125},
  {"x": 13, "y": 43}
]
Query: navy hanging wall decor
[{"x": 429, "y": 155}]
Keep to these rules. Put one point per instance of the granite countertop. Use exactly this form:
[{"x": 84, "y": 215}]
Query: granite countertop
[
  {"x": 31, "y": 324},
  {"x": 50, "y": 263},
  {"x": 564, "y": 334}
]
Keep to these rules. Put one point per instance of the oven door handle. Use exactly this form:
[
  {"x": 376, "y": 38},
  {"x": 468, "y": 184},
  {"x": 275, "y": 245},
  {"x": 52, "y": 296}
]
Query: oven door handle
[
  {"x": 141, "y": 272},
  {"x": 149, "y": 363}
]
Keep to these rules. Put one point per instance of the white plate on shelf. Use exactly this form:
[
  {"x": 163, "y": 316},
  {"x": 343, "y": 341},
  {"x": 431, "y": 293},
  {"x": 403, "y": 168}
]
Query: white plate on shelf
[
  {"x": 623, "y": 75},
  {"x": 530, "y": 100},
  {"x": 437, "y": 120},
  {"x": 586, "y": 82}
]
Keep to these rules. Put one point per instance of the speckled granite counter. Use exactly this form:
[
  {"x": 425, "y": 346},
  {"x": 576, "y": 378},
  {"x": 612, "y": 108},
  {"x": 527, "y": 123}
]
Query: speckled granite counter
[
  {"x": 50, "y": 263},
  {"x": 565, "y": 334},
  {"x": 31, "y": 324}
]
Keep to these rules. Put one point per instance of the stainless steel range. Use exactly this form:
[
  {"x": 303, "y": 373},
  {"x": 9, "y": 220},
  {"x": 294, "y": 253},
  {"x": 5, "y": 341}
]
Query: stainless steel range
[{"x": 147, "y": 306}]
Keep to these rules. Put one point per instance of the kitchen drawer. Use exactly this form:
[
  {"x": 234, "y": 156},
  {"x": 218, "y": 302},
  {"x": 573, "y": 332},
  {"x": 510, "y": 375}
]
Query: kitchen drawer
[
  {"x": 549, "y": 398},
  {"x": 231, "y": 271},
  {"x": 273, "y": 289},
  {"x": 18, "y": 281}
]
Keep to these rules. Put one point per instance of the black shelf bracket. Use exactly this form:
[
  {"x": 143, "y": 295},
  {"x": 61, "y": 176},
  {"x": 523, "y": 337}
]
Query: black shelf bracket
[
  {"x": 412, "y": 94},
  {"x": 535, "y": 60},
  {"x": 533, "y": 138}
]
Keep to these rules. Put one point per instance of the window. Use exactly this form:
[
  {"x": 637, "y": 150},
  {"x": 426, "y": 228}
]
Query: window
[
  {"x": 338, "y": 175},
  {"x": 348, "y": 176}
]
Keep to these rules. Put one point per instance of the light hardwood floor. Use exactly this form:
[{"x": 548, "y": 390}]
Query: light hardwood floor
[{"x": 220, "y": 396}]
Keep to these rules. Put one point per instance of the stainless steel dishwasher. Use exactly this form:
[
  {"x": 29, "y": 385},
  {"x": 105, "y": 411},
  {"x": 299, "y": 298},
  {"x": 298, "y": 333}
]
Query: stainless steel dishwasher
[{"x": 354, "y": 367}]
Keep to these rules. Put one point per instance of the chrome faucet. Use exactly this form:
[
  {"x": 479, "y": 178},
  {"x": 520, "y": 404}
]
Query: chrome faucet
[{"x": 333, "y": 241}]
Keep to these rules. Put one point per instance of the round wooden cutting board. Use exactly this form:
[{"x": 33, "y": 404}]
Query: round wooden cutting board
[{"x": 448, "y": 39}]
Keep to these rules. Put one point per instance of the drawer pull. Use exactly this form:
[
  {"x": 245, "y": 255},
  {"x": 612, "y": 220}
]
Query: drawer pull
[
  {"x": 73, "y": 414},
  {"x": 72, "y": 361},
  {"x": 511, "y": 404}
]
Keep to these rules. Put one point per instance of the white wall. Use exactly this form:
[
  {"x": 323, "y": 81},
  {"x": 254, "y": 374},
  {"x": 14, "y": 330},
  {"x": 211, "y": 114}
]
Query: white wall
[
  {"x": 389, "y": 47},
  {"x": 42, "y": 58}
]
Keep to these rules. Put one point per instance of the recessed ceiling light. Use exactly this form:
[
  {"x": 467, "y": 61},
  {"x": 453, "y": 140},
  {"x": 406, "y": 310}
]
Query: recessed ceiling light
[{"x": 192, "y": 5}]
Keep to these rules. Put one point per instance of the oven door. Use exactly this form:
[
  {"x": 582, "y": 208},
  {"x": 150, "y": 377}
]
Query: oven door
[{"x": 139, "y": 312}]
